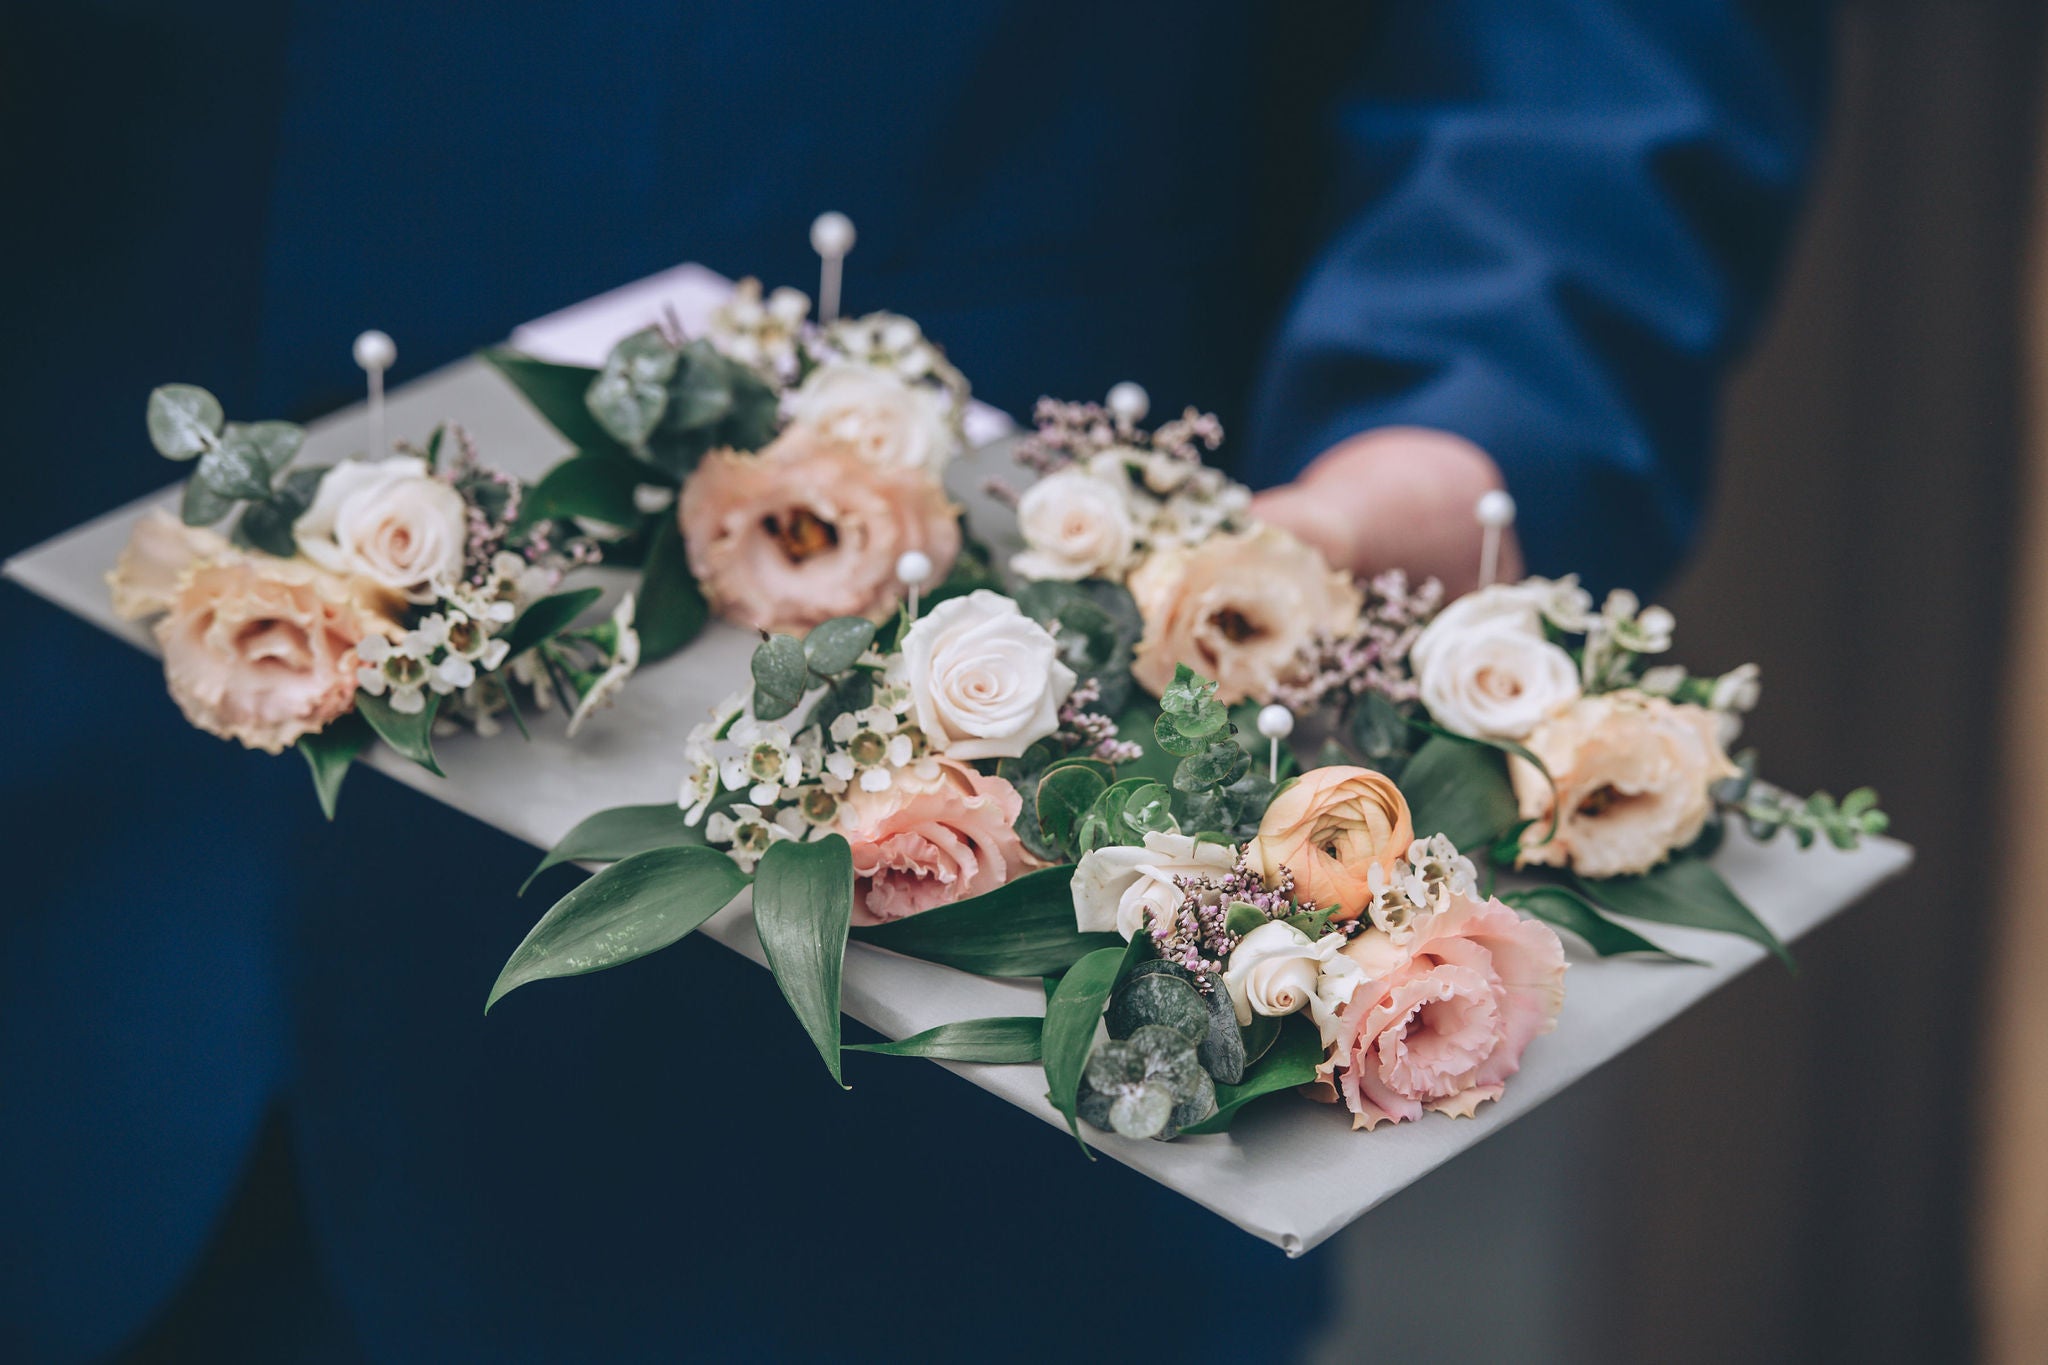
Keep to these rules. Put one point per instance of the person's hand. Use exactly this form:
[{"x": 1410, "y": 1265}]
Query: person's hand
[{"x": 1395, "y": 498}]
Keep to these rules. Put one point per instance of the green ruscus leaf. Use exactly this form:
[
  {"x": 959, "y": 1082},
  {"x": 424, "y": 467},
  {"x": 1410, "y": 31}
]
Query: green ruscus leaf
[
  {"x": 1685, "y": 891},
  {"x": 1566, "y": 909},
  {"x": 1070, "y": 1019},
  {"x": 330, "y": 751},
  {"x": 410, "y": 734},
  {"x": 547, "y": 618},
  {"x": 669, "y": 610},
  {"x": 620, "y": 832},
  {"x": 556, "y": 392},
  {"x": 803, "y": 903},
  {"x": 628, "y": 910},
  {"x": 1461, "y": 789},
  {"x": 1025, "y": 927},
  {"x": 600, "y": 487},
  {"x": 1008, "y": 1039}
]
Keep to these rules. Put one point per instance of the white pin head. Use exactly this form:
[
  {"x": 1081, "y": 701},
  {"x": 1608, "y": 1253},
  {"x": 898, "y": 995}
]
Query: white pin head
[
  {"x": 1129, "y": 402},
  {"x": 913, "y": 568},
  {"x": 375, "y": 351},
  {"x": 1495, "y": 510},
  {"x": 1276, "y": 721},
  {"x": 832, "y": 234}
]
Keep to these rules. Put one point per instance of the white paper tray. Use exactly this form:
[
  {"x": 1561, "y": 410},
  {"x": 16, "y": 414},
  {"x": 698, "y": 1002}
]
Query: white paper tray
[{"x": 1293, "y": 1174}]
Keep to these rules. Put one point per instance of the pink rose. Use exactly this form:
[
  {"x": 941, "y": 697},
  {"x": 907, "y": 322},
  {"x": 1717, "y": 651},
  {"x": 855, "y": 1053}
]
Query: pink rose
[
  {"x": 1441, "y": 1023},
  {"x": 263, "y": 650},
  {"x": 939, "y": 833},
  {"x": 810, "y": 529}
]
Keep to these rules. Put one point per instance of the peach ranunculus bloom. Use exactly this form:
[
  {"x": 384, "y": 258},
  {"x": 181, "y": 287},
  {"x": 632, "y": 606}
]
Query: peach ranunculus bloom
[
  {"x": 1442, "y": 1022},
  {"x": 1238, "y": 607},
  {"x": 1330, "y": 829},
  {"x": 1634, "y": 778},
  {"x": 939, "y": 833},
  {"x": 810, "y": 529},
  {"x": 256, "y": 649}
]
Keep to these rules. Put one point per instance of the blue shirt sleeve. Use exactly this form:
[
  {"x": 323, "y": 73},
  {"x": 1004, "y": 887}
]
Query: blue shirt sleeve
[{"x": 1555, "y": 222}]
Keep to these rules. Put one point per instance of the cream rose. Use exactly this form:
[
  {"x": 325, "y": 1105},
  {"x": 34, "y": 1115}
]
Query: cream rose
[
  {"x": 937, "y": 834},
  {"x": 391, "y": 522},
  {"x": 1075, "y": 526},
  {"x": 1484, "y": 667},
  {"x": 1277, "y": 970},
  {"x": 891, "y": 422},
  {"x": 263, "y": 650},
  {"x": 808, "y": 530},
  {"x": 1238, "y": 608},
  {"x": 144, "y": 579},
  {"x": 1129, "y": 889},
  {"x": 1442, "y": 1023},
  {"x": 1634, "y": 776},
  {"x": 985, "y": 679},
  {"x": 1330, "y": 829}
]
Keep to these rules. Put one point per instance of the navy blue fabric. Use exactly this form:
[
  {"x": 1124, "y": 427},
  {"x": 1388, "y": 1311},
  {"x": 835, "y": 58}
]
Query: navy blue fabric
[{"x": 1543, "y": 223}]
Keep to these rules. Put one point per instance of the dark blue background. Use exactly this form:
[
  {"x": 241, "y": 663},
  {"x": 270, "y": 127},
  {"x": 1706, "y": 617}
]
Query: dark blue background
[{"x": 1544, "y": 223}]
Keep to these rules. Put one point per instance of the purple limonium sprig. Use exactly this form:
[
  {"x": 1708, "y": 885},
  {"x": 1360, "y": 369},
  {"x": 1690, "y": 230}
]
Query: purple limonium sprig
[
  {"x": 1374, "y": 656},
  {"x": 1081, "y": 728}
]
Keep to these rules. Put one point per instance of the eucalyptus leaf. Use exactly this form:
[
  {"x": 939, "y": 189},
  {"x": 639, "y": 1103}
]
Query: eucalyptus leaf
[
  {"x": 834, "y": 646},
  {"x": 239, "y": 464},
  {"x": 329, "y": 752},
  {"x": 1568, "y": 910},
  {"x": 410, "y": 734},
  {"x": 700, "y": 390},
  {"x": 1002, "y": 1040},
  {"x": 1460, "y": 789},
  {"x": 803, "y": 903},
  {"x": 276, "y": 444},
  {"x": 557, "y": 392},
  {"x": 1688, "y": 892},
  {"x": 781, "y": 677},
  {"x": 183, "y": 420},
  {"x": 201, "y": 506},
  {"x": 1220, "y": 764},
  {"x": 1064, "y": 796},
  {"x": 1222, "y": 1050},
  {"x": 1025, "y": 927},
  {"x": 669, "y": 610},
  {"x": 632, "y": 908},
  {"x": 547, "y": 618},
  {"x": 620, "y": 832},
  {"x": 630, "y": 393},
  {"x": 1156, "y": 998},
  {"x": 1289, "y": 1062},
  {"x": 1069, "y": 1032}
]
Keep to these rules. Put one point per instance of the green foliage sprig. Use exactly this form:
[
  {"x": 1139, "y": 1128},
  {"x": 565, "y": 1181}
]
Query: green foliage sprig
[{"x": 238, "y": 465}]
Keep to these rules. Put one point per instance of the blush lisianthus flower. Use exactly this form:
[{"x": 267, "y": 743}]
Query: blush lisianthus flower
[
  {"x": 263, "y": 650},
  {"x": 1442, "y": 1022},
  {"x": 1330, "y": 829},
  {"x": 985, "y": 680},
  {"x": 1240, "y": 607},
  {"x": 144, "y": 579},
  {"x": 390, "y": 522},
  {"x": 808, "y": 530},
  {"x": 1634, "y": 776},
  {"x": 885, "y": 417},
  {"x": 1128, "y": 888},
  {"x": 1485, "y": 667},
  {"x": 940, "y": 832}
]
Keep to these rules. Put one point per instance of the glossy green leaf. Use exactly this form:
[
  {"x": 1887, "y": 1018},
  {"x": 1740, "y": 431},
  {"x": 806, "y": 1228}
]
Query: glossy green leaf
[
  {"x": 330, "y": 751},
  {"x": 1291, "y": 1061},
  {"x": 547, "y": 618},
  {"x": 803, "y": 903},
  {"x": 183, "y": 420},
  {"x": 600, "y": 487},
  {"x": 620, "y": 832},
  {"x": 1070, "y": 1019},
  {"x": 411, "y": 735},
  {"x": 1025, "y": 927},
  {"x": 628, "y": 910},
  {"x": 669, "y": 610},
  {"x": 556, "y": 392},
  {"x": 833, "y": 646},
  {"x": 1568, "y": 910},
  {"x": 1458, "y": 788},
  {"x": 1688, "y": 892},
  {"x": 1010, "y": 1039}
]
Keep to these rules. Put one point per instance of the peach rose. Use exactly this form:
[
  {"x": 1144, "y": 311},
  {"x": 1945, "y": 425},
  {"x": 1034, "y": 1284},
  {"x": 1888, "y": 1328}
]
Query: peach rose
[
  {"x": 808, "y": 530},
  {"x": 939, "y": 833},
  {"x": 1634, "y": 778},
  {"x": 1238, "y": 608},
  {"x": 1441, "y": 1024},
  {"x": 263, "y": 650},
  {"x": 144, "y": 579},
  {"x": 1330, "y": 829}
]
